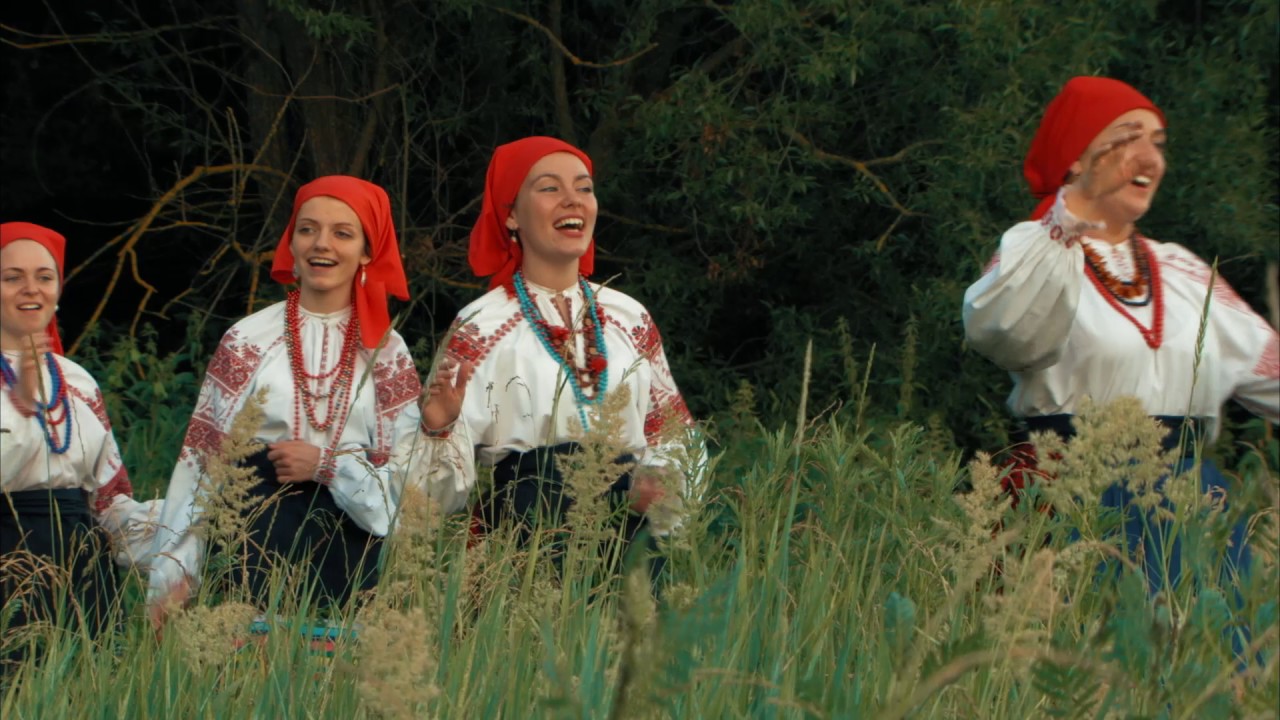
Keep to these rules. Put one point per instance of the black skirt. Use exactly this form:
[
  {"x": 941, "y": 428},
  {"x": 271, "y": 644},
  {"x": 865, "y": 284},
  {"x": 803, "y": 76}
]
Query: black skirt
[
  {"x": 529, "y": 491},
  {"x": 55, "y": 565},
  {"x": 300, "y": 533}
]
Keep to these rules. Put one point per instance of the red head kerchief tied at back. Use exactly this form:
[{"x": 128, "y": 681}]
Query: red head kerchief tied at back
[
  {"x": 492, "y": 253},
  {"x": 1084, "y": 108},
  {"x": 52, "y": 241},
  {"x": 383, "y": 276}
]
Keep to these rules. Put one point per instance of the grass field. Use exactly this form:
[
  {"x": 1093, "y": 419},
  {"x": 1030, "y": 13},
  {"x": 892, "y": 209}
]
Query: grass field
[{"x": 833, "y": 572}]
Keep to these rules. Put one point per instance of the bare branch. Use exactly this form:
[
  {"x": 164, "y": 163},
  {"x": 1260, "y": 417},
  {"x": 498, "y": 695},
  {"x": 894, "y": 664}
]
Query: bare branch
[
  {"x": 560, "y": 45},
  {"x": 127, "y": 252}
]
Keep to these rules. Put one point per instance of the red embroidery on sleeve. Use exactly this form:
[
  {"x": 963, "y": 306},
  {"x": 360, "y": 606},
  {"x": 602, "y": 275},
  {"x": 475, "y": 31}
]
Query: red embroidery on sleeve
[
  {"x": 468, "y": 343},
  {"x": 1269, "y": 364},
  {"x": 203, "y": 437},
  {"x": 397, "y": 383},
  {"x": 233, "y": 365},
  {"x": 646, "y": 337},
  {"x": 118, "y": 485},
  {"x": 96, "y": 404},
  {"x": 664, "y": 407},
  {"x": 1199, "y": 271}
]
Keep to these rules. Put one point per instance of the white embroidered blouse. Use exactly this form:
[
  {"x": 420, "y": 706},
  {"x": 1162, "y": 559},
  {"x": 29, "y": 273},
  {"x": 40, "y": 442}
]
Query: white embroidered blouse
[
  {"x": 365, "y": 469},
  {"x": 519, "y": 397},
  {"x": 1035, "y": 313},
  {"x": 91, "y": 463}
]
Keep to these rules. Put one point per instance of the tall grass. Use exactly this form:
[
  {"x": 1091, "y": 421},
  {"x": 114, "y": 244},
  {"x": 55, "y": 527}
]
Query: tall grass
[{"x": 832, "y": 571}]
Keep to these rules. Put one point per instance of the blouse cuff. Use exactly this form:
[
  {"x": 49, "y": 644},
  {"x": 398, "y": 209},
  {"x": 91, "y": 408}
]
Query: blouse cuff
[
  {"x": 441, "y": 434},
  {"x": 1064, "y": 226},
  {"x": 325, "y": 466}
]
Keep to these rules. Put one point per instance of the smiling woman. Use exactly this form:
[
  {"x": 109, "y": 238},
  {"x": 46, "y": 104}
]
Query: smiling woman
[
  {"x": 1077, "y": 303},
  {"x": 67, "y": 499},
  {"x": 537, "y": 356},
  {"x": 340, "y": 413}
]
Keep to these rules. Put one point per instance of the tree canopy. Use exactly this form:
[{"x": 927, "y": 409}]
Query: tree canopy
[{"x": 768, "y": 171}]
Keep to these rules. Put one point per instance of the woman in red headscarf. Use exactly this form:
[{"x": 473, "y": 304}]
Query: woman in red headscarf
[
  {"x": 1077, "y": 303},
  {"x": 546, "y": 346},
  {"x": 340, "y": 416},
  {"x": 63, "y": 481}
]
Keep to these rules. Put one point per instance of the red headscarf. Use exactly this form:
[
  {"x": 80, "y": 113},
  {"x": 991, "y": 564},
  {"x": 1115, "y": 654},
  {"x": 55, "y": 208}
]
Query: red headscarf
[
  {"x": 1084, "y": 108},
  {"x": 492, "y": 253},
  {"x": 384, "y": 275},
  {"x": 52, "y": 241}
]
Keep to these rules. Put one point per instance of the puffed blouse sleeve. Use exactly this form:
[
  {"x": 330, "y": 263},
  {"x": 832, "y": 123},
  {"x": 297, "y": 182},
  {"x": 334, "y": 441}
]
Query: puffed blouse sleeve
[
  {"x": 1247, "y": 344},
  {"x": 447, "y": 470},
  {"x": 179, "y": 549},
  {"x": 368, "y": 480},
  {"x": 1020, "y": 312},
  {"x": 671, "y": 436},
  {"x": 129, "y": 523}
]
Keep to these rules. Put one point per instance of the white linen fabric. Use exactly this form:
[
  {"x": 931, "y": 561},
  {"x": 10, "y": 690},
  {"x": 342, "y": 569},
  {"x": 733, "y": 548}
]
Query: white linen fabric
[
  {"x": 365, "y": 468},
  {"x": 91, "y": 463},
  {"x": 1036, "y": 314},
  {"x": 520, "y": 398}
]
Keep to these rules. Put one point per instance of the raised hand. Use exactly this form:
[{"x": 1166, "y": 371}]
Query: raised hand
[
  {"x": 1110, "y": 166},
  {"x": 30, "y": 369},
  {"x": 442, "y": 402}
]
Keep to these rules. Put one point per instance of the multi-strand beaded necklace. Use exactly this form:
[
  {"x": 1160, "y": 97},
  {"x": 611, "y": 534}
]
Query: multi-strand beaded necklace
[
  {"x": 56, "y": 412},
  {"x": 1144, "y": 289},
  {"x": 333, "y": 385},
  {"x": 589, "y": 380}
]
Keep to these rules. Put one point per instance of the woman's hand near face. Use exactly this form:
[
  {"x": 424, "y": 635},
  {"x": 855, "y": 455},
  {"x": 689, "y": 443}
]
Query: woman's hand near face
[
  {"x": 1108, "y": 166},
  {"x": 29, "y": 368},
  {"x": 442, "y": 403},
  {"x": 295, "y": 460}
]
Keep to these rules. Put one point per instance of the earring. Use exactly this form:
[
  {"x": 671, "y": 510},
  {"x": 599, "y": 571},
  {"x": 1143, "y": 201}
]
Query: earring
[
  {"x": 363, "y": 277},
  {"x": 515, "y": 235},
  {"x": 295, "y": 272}
]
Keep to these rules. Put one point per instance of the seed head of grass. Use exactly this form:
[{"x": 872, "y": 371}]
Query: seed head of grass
[
  {"x": 224, "y": 488},
  {"x": 1114, "y": 443},
  {"x": 396, "y": 662},
  {"x": 207, "y": 636},
  {"x": 412, "y": 563}
]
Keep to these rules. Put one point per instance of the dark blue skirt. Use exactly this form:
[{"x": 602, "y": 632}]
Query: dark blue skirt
[{"x": 1150, "y": 538}]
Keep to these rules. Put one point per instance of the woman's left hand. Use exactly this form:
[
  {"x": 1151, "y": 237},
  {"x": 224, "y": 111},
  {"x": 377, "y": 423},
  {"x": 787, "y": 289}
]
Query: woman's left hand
[
  {"x": 648, "y": 486},
  {"x": 295, "y": 460}
]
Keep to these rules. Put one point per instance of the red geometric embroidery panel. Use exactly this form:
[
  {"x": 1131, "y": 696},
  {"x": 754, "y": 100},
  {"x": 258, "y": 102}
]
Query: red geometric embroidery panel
[
  {"x": 397, "y": 383},
  {"x": 646, "y": 337},
  {"x": 467, "y": 342},
  {"x": 96, "y": 404},
  {"x": 203, "y": 436},
  {"x": 118, "y": 485},
  {"x": 664, "y": 407},
  {"x": 233, "y": 365}
]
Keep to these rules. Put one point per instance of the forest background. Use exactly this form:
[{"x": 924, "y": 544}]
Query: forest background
[{"x": 768, "y": 172}]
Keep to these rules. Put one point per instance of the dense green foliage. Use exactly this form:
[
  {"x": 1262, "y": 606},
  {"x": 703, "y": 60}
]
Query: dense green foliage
[{"x": 768, "y": 171}]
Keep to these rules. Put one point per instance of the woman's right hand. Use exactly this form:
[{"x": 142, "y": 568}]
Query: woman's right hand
[
  {"x": 1108, "y": 167},
  {"x": 161, "y": 608},
  {"x": 33, "y": 349},
  {"x": 442, "y": 403}
]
